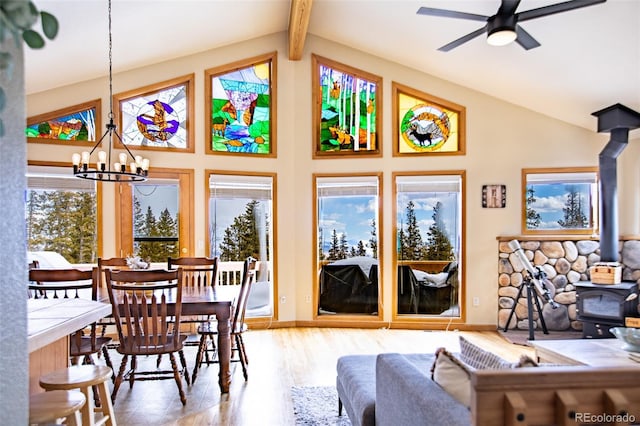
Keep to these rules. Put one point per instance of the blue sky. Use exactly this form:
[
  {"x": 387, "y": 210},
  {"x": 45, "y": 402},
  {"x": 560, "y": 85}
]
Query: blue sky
[
  {"x": 551, "y": 199},
  {"x": 353, "y": 215}
]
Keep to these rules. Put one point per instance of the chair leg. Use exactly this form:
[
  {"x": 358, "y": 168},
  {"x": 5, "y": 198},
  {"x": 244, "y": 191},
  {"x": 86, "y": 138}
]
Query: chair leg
[
  {"x": 240, "y": 350},
  {"x": 132, "y": 373},
  {"x": 107, "y": 361},
  {"x": 178, "y": 379},
  {"x": 244, "y": 352},
  {"x": 201, "y": 348},
  {"x": 183, "y": 361},
  {"x": 339, "y": 407},
  {"x": 118, "y": 381}
]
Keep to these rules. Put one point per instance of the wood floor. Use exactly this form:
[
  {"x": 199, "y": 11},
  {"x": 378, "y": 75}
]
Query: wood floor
[{"x": 279, "y": 359}]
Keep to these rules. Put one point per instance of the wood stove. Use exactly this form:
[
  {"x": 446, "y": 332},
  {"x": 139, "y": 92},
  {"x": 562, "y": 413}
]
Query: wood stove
[{"x": 602, "y": 306}]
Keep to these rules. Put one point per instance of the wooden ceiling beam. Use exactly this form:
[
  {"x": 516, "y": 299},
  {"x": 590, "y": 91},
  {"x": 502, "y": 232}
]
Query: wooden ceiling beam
[{"x": 299, "y": 15}]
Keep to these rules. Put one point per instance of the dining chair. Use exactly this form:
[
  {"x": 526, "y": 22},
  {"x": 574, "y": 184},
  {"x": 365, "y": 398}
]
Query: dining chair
[
  {"x": 117, "y": 263},
  {"x": 196, "y": 272},
  {"x": 73, "y": 283},
  {"x": 208, "y": 330},
  {"x": 141, "y": 302}
]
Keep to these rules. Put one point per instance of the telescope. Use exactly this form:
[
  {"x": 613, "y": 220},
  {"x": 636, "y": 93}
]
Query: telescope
[{"x": 537, "y": 277}]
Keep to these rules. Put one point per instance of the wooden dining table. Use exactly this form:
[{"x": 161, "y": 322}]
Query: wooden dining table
[{"x": 206, "y": 300}]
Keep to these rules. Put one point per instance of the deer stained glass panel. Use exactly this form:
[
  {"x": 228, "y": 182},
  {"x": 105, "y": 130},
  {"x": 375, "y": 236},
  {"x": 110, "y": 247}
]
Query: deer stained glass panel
[
  {"x": 76, "y": 125},
  {"x": 157, "y": 116},
  {"x": 424, "y": 124},
  {"x": 347, "y": 112},
  {"x": 242, "y": 107}
]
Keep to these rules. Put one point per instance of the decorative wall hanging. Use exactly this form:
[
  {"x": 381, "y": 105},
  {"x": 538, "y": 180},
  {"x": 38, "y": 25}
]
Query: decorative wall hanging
[
  {"x": 347, "y": 112},
  {"x": 494, "y": 196},
  {"x": 75, "y": 125},
  {"x": 241, "y": 107},
  {"x": 158, "y": 116},
  {"x": 426, "y": 125}
]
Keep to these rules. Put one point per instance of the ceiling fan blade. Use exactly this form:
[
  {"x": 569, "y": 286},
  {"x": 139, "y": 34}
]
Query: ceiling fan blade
[
  {"x": 451, "y": 14},
  {"x": 555, "y": 8},
  {"x": 525, "y": 39},
  {"x": 463, "y": 39},
  {"x": 508, "y": 7}
]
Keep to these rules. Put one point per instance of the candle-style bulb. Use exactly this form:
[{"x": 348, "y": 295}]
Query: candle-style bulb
[
  {"x": 123, "y": 158},
  {"x": 102, "y": 157},
  {"x": 75, "y": 159},
  {"x": 85, "y": 157}
]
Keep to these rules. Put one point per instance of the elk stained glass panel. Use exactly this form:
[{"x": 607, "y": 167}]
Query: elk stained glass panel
[
  {"x": 346, "y": 110},
  {"x": 425, "y": 124},
  {"x": 241, "y": 113},
  {"x": 76, "y": 125}
]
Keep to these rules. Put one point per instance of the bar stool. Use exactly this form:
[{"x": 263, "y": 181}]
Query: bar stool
[
  {"x": 84, "y": 377},
  {"x": 48, "y": 407}
]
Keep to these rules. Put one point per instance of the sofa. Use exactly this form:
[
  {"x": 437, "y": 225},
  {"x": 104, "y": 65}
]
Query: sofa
[{"x": 397, "y": 389}]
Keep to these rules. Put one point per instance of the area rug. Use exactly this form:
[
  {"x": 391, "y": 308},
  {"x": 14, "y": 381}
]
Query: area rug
[
  {"x": 521, "y": 337},
  {"x": 317, "y": 406}
]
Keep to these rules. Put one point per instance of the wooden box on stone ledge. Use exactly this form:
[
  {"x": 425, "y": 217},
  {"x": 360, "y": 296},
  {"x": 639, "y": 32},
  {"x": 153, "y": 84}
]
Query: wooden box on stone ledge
[{"x": 606, "y": 273}]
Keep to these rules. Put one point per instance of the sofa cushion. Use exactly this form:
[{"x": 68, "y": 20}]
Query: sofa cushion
[
  {"x": 478, "y": 358},
  {"x": 453, "y": 376}
]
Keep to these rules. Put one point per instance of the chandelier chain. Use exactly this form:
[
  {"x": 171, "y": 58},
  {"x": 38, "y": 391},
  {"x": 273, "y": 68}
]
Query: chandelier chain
[{"x": 110, "y": 67}]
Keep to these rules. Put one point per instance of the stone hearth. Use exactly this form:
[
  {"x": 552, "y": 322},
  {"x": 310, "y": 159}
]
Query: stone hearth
[{"x": 565, "y": 262}]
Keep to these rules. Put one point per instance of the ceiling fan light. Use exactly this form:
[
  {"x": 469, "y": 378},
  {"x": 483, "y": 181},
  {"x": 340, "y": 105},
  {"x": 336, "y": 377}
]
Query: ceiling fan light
[{"x": 501, "y": 37}]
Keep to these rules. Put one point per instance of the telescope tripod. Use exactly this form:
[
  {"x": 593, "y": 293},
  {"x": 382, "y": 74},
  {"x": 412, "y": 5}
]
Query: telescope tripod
[{"x": 532, "y": 297}]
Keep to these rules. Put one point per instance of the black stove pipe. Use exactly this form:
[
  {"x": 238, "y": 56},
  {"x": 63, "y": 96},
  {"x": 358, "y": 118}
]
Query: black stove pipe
[{"x": 618, "y": 120}]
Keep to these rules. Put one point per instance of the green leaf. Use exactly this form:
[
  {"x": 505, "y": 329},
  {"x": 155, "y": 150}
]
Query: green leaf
[
  {"x": 20, "y": 13},
  {"x": 33, "y": 39},
  {"x": 49, "y": 25}
]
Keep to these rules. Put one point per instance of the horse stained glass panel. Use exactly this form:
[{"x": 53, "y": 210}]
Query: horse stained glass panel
[
  {"x": 241, "y": 115},
  {"x": 75, "y": 125},
  {"x": 157, "y": 116},
  {"x": 424, "y": 124},
  {"x": 347, "y": 112}
]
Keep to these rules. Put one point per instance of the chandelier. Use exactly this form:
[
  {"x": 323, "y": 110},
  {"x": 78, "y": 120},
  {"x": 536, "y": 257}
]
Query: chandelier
[{"x": 129, "y": 168}]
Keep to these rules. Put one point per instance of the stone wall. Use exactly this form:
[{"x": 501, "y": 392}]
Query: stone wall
[{"x": 565, "y": 262}]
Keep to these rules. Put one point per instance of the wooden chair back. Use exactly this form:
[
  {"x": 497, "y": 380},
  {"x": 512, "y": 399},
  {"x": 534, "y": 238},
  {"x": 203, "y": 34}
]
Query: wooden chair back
[
  {"x": 196, "y": 271},
  {"x": 63, "y": 283},
  {"x": 139, "y": 300},
  {"x": 240, "y": 307},
  {"x": 112, "y": 263},
  {"x": 70, "y": 283}
]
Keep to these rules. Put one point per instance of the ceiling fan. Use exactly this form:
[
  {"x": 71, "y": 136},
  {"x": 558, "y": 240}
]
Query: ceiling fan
[{"x": 502, "y": 28}]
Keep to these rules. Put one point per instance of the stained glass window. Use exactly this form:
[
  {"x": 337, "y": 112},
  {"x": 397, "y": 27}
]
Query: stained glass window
[
  {"x": 157, "y": 116},
  {"x": 346, "y": 110},
  {"x": 75, "y": 125},
  {"x": 241, "y": 112},
  {"x": 425, "y": 124}
]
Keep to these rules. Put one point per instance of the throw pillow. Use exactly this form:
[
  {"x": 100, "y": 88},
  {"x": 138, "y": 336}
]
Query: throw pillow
[
  {"x": 452, "y": 376},
  {"x": 478, "y": 358}
]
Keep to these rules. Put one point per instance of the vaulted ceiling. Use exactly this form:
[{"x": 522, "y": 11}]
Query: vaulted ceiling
[{"x": 589, "y": 58}]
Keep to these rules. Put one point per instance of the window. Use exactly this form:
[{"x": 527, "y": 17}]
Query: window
[
  {"x": 347, "y": 219},
  {"x": 156, "y": 216},
  {"x": 61, "y": 214},
  {"x": 429, "y": 240},
  {"x": 241, "y": 225},
  {"x": 560, "y": 201}
]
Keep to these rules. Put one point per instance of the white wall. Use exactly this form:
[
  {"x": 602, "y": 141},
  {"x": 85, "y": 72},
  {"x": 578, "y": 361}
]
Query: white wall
[{"x": 501, "y": 140}]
